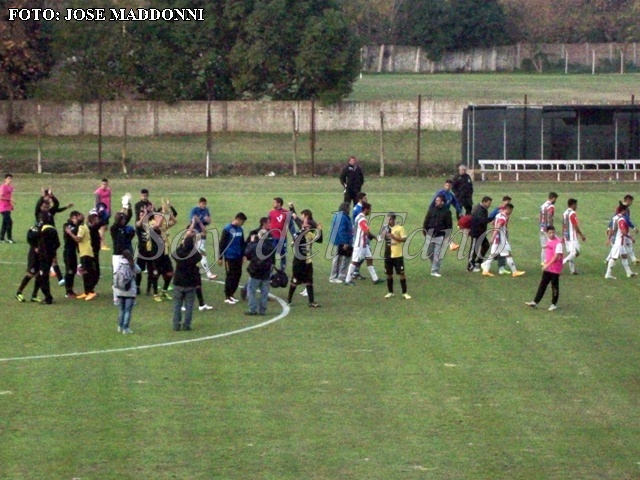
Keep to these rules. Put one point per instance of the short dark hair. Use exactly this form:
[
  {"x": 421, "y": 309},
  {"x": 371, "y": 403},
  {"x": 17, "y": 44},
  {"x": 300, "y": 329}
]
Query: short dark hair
[
  {"x": 105, "y": 180},
  {"x": 241, "y": 216},
  {"x": 366, "y": 206},
  {"x": 551, "y": 227},
  {"x": 509, "y": 205},
  {"x": 75, "y": 213},
  {"x": 553, "y": 195},
  {"x": 144, "y": 190},
  {"x": 202, "y": 199},
  {"x": 506, "y": 198},
  {"x": 278, "y": 200},
  {"x": 448, "y": 180},
  {"x": 444, "y": 199},
  {"x": 627, "y": 198},
  {"x": 308, "y": 213},
  {"x": 264, "y": 220},
  {"x": 486, "y": 199},
  {"x": 8, "y": 175},
  {"x": 360, "y": 196},
  {"x": 392, "y": 215},
  {"x": 572, "y": 201}
]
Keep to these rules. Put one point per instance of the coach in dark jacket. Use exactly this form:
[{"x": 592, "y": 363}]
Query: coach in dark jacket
[
  {"x": 185, "y": 281},
  {"x": 437, "y": 228},
  {"x": 352, "y": 180},
  {"x": 463, "y": 189},
  {"x": 479, "y": 221},
  {"x": 48, "y": 244}
]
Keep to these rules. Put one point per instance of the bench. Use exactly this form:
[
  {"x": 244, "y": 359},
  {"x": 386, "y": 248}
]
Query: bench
[{"x": 576, "y": 166}]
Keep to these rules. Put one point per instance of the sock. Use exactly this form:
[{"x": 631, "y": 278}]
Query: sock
[
  {"x": 24, "y": 283},
  {"x": 572, "y": 266},
  {"x": 610, "y": 265},
  {"x": 511, "y": 264},
  {"x": 625, "y": 264},
  {"x": 310, "y": 293},
  {"x": 36, "y": 287},
  {"x": 486, "y": 265},
  {"x": 350, "y": 271},
  {"x": 372, "y": 272},
  {"x": 390, "y": 284},
  {"x": 199, "y": 295},
  {"x": 403, "y": 284},
  {"x": 154, "y": 285},
  {"x": 292, "y": 289},
  {"x": 205, "y": 264}
]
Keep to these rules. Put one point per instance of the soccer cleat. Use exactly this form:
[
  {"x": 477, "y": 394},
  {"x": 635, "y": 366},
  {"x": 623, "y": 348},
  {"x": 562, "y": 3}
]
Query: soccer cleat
[
  {"x": 61, "y": 282},
  {"x": 204, "y": 307},
  {"x": 19, "y": 297},
  {"x": 229, "y": 301},
  {"x": 553, "y": 307},
  {"x": 82, "y": 296},
  {"x": 314, "y": 305},
  {"x": 157, "y": 298},
  {"x": 453, "y": 247},
  {"x": 378, "y": 281},
  {"x": 9, "y": 241},
  {"x": 211, "y": 276},
  {"x": 304, "y": 293},
  {"x": 610, "y": 277},
  {"x": 127, "y": 331},
  {"x": 350, "y": 284},
  {"x": 575, "y": 272},
  {"x": 632, "y": 274},
  {"x": 335, "y": 280},
  {"x": 235, "y": 300},
  {"x": 389, "y": 295},
  {"x": 487, "y": 273},
  {"x": 90, "y": 297},
  {"x": 503, "y": 271},
  {"x": 70, "y": 295},
  {"x": 186, "y": 328},
  {"x": 435, "y": 274},
  {"x": 166, "y": 295},
  {"x": 36, "y": 300},
  {"x": 251, "y": 313},
  {"x": 406, "y": 296},
  {"x": 476, "y": 270},
  {"x": 119, "y": 329},
  {"x": 105, "y": 248},
  {"x": 176, "y": 328},
  {"x": 517, "y": 273},
  {"x": 531, "y": 304}
]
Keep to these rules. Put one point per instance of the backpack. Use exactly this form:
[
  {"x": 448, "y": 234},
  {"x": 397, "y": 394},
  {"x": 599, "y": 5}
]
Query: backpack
[
  {"x": 278, "y": 279},
  {"x": 123, "y": 277}
]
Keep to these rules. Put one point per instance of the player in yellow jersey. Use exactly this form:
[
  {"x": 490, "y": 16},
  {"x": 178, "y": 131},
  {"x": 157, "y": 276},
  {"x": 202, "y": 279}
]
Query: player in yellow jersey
[{"x": 394, "y": 236}]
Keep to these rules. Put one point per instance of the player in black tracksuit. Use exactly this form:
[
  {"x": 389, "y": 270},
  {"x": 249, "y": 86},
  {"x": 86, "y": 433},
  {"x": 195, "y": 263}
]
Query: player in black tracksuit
[
  {"x": 48, "y": 245},
  {"x": 33, "y": 265},
  {"x": 46, "y": 209},
  {"x": 70, "y": 252}
]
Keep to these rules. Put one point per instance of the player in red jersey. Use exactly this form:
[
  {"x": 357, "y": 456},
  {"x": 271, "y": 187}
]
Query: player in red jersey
[{"x": 281, "y": 221}]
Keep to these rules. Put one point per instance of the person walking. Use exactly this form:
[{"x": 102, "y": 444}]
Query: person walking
[
  {"x": 6, "y": 207},
  {"x": 231, "y": 248},
  {"x": 260, "y": 253},
  {"x": 571, "y": 232},
  {"x": 185, "y": 281},
  {"x": 500, "y": 246},
  {"x": 352, "y": 180},
  {"x": 126, "y": 297},
  {"x": 395, "y": 236},
  {"x": 362, "y": 248},
  {"x": 547, "y": 211},
  {"x": 341, "y": 238},
  {"x": 619, "y": 236},
  {"x": 478, "y": 234},
  {"x": 551, "y": 270},
  {"x": 436, "y": 228},
  {"x": 462, "y": 187}
]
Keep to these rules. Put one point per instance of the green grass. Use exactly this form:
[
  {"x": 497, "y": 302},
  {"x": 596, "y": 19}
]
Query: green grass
[
  {"x": 463, "y": 381},
  {"x": 477, "y": 88}
]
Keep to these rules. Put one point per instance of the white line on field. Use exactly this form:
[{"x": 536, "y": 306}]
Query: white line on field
[{"x": 284, "y": 313}]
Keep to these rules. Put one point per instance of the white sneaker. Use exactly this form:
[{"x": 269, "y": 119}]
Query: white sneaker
[
  {"x": 389, "y": 295},
  {"x": 204, "y": 307},
  {"x": 229, "y": 301},
  {"x": 335, "y": 280},
  {"x": 304, "y": 293},
  {"x": 610, "y": 277},
  {"x": 61, "y": 282},
  {"x": 211, "y": 276},
  {"x": 632, "y": 274},
  {"x": 553, "y": 307},
  {"x": 127, "y": 331},
  {"x": 531, "y": 304},
  {"x": 119, "y": 329},
  {"x": 435, "y": 274},
  {"x": 503, "y": 271},
  {"x": 406, "y": 296},
  {"x": 476, "y": 270},
  {"x": 235, "y": 300},
  {"x": 183, "y": 308}
]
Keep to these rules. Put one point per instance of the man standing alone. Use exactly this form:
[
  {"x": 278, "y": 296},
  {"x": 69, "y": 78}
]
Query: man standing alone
[
  {"x": 6, "y": 206},
  {"x": 352, "y": 180}
]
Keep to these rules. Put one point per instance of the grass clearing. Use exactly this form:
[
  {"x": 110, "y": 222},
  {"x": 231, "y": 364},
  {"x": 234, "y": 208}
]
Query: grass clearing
[{"x": 462, "y": 381}]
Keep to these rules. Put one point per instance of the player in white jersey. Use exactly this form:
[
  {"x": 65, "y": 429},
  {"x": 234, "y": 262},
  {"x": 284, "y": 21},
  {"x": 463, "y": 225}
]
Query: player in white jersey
[
  {"x": 361, "y": 249},
  {"x": 500, "y": 245},
  {"x": 618, "y": 237},
  {"x": 571, "y": 232},
  {"x": 547, "y": 210}
]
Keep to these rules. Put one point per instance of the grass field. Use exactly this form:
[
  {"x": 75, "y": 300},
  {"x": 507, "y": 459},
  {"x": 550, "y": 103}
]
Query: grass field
[
  {"x": 461, "y": 382},
  {"x": 480, "y": 88}
]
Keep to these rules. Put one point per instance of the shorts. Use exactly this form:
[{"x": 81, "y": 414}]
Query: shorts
[
  {"x": 302, "y": 273},
  {"x": 33, "y": 262},
  {"x": 617, "y": 251},
  {"x": 572, "y": 246},
  {"x": 394, "y": 263},
  {"x": 360, "y": 253},
  {"x": 163, "y": 264},
  {"x": 500, "y": 250}
]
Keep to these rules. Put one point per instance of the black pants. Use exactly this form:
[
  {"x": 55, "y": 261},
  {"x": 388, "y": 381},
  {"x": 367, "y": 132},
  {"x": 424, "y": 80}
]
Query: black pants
[
  {"x": 70, "y": 268},
  {"x": 7, "y": 226},
  {"x": 43, "y": 278},
  {"x": 232, "y": 280},
  {"x": 554, "y": 279},
  {"x": 350, "y": 196},
  {"x": 90, "y": 276},
  {"x": 477, "y": 253}
]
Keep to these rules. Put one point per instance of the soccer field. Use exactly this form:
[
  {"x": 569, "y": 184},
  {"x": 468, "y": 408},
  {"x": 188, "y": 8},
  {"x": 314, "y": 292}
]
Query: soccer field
[{"x": 461, "y": 381}]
